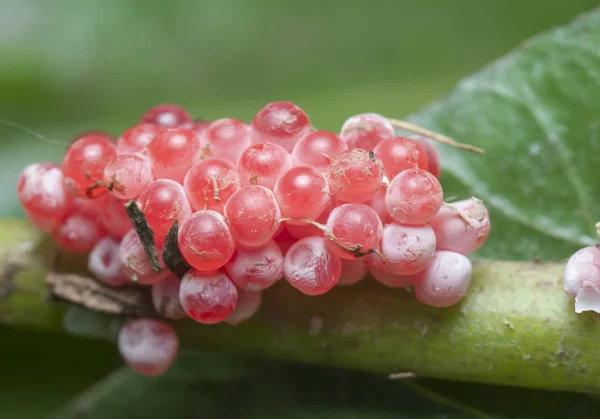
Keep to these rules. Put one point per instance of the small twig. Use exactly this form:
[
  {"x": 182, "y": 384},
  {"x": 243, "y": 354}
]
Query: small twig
[
  {"x": 142, "y": 228},
  {"x": 415, "y": 129},
  {"x": 173, "y": 258},
  {"x": 89, "y": 191},
  {"x": 356, "y": 251},
  {"x": 95, "y": 296},
  {"x": 305, "y": 221}
]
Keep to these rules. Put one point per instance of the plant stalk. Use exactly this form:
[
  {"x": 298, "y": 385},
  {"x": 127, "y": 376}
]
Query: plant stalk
[{"x": 515, "y": 327}]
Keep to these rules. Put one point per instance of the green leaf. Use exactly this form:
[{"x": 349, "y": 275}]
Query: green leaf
[
  {"x": 274, "y": 390},
  {"x": 190, "y": 389},
  {"x": 536, "y": 113},
  {"x": 185, "y": 391},
  {"x": 125, "y": 395},
  {"x": 40, "y": 371}
]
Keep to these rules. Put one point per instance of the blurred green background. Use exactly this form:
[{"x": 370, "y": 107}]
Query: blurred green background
[{"x": 67, "y": 66}]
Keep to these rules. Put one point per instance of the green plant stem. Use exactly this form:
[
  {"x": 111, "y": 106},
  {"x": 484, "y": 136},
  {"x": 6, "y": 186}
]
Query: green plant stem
[{"x": 515, "y": 327}]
